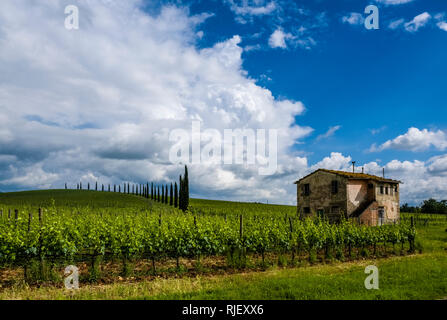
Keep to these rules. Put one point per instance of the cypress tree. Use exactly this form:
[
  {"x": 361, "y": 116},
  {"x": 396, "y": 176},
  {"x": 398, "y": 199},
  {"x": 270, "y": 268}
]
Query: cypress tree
[
  {"x": 162, "y": 194},
  {"x": 114, "y": 188},
  {"x": 119, "y": 188},
  {"x": 186, "y": 189},
  {"x": 175, "y": 195},
  {"x": 180, "y": 194},
  {"x": 166, "y": 194},
  {"x": 65, "y": 186},
  {"x": 102, "y": 188},
  {"x": 80, "y": 185},
  {"x": 96, "y": 186},
  {"x": 158, "y": 193},
  {"x": 109, "y": 187},
  {"x": 152, "y": 191},
  {"x": 147, "y": 190},
  {"x": 171, "y": 191}
]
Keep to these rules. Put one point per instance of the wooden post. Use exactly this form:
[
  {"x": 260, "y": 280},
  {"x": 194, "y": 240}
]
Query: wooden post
[
  {"x": 241, "y": 228},
  {"x": 16, "y": 216},
  {"x": 30, "y": 219},
  {"x": 40, "y": 217},
  {"x": 291, "y": 236}
]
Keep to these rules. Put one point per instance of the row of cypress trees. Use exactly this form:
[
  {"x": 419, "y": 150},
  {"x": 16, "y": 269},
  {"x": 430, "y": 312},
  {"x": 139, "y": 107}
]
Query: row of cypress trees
[{"x": 173, "y": 196}]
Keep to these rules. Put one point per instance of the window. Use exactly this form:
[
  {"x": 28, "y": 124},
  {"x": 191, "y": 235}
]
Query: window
[
  {"x": 307, "y": 189},
  {"x": 381, "y": 189},
  {"x": 386, "y": 190},
  {"x": 320, "y": 213},
  {"x": 334, "y": 187},
  {"x": 306, "y": 210},
  {"x": 395, "y": 189},
  {"x": 370, "y": 186}
]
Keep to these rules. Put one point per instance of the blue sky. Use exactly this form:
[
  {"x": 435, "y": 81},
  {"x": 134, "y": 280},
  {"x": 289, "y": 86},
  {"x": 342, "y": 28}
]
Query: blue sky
[
  {"x": 99, "y": 103},
  {"x": 374, "y": 84}
]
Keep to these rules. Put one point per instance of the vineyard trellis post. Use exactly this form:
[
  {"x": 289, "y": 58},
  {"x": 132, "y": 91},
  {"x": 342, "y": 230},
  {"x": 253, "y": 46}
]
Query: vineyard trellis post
[{"x": 16, "y": 217}]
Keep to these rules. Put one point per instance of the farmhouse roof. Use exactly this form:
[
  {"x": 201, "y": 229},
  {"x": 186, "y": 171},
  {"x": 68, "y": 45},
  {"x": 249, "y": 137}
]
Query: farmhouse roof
[{"x": 353, "y": 176}]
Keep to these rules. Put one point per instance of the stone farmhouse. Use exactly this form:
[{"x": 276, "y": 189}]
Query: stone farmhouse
[{"x": 331, "y": 194}]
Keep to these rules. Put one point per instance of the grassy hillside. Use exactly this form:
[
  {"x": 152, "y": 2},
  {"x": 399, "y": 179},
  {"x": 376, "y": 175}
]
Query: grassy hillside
[{"x": 71, "y": 198}]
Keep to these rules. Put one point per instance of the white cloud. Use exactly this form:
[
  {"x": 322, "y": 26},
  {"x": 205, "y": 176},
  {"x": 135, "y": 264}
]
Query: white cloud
[
  {"x": 245, "y": 10},
  {"x": 353, "y": 18},
  {"x": 101, "y": 101},
  {"x": 396, "y": 24},
  {"x": 442, "y": 25},
  {"x": 336, "y": 161},
  {"x": 278, "y": 39},
  {"x": 418, "y": 22},
  {"x": 394, "y": 2},
  {"x": 329, "y": 133},
  {"x": 416, "y": 140}
]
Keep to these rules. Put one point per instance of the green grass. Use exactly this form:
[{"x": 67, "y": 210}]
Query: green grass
[
  {"x": 71, "y": 198},
  {"x": 412, "y": 277}
]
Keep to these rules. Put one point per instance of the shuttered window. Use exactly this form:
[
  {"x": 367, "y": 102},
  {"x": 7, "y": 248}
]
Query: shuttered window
[{"x": 334, "y": 187}]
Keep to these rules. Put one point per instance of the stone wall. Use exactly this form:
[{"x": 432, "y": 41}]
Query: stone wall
[
  {"x": 390, "y": 201},
  {"x": 357, "y": 191},
  {"x": 321, "y": 197}
]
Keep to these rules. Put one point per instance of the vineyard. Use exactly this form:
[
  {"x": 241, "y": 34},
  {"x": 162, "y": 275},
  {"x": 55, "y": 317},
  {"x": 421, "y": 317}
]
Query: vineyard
[{"x": 63, "y": 232}]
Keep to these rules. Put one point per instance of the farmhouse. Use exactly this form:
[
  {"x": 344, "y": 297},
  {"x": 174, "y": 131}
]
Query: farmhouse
[{"x": 331, "y": 194}]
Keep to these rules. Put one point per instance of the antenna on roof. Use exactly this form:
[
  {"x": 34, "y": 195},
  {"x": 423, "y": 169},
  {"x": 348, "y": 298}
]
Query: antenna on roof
[{"x": 353, "y": 166}]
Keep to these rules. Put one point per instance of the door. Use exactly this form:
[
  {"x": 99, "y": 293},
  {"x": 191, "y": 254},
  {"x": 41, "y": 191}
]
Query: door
[
  {"x": 381, "y": 216},
  {"x": 320, "y": 213}
]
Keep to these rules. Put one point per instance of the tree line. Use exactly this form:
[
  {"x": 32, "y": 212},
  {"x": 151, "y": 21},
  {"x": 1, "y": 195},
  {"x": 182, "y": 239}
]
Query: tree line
[
  {"x": 176, "y": 195},
  {"x": 427, "y": 206}
]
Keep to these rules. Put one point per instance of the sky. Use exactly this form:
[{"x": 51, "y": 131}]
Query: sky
[{"x": 98, "y": 103}]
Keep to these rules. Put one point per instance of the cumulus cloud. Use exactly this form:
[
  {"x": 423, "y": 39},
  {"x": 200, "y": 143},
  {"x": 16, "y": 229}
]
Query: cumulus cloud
[
  {"x": 442, "y": 25},
  {"x": 416, "y": 140},
  {"x": 418, "y": 22},
  {"x": 278, "y": 39},
  {"x": 353, "y": 18},
  {"x": 100, "y": 102}
]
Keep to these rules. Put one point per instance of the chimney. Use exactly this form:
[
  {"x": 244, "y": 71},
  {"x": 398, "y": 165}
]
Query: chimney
[
  {"x": 362, "y": 170},
  {"x": 383, "y": 173},
  {"x": 353, "y": 166}
]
